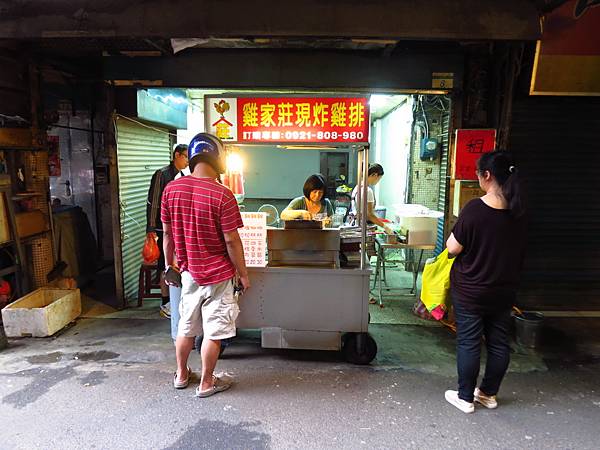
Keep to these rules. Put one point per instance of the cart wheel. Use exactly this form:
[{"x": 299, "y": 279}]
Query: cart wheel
[{"x": 353, "y": 354}]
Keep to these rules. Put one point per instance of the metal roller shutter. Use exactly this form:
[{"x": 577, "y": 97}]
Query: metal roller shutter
[
  {"x": 140, "y": 151},
  {"x": 444, "y": 182},
  {"x": 555, "y": 140}
]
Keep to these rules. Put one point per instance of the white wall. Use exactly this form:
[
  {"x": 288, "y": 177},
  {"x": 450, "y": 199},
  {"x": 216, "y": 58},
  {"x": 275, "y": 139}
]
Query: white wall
[
  {"x": 272, "y": 172},
  {"x": 375, "y": 151},
  {"x": 392, "y": 149},
  {"x": 195, "y": 120}
]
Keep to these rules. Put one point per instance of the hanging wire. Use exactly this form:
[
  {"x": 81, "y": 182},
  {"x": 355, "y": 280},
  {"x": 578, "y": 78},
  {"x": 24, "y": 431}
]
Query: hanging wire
[
  {"x": 424, "y": 116},
  {"x": 139, "y": 225},
  {"x": 437, "y": 102},
  {"x": 123, "y": 208},
  {"x": 416, "y": 112},
  {"x": 144, "y": 125}
]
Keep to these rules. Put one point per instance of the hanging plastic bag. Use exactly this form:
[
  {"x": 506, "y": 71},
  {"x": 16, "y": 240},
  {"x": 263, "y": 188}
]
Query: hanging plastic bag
[
  {"x": 435, "y": 291},
  {"x": 150, "y": 252}
]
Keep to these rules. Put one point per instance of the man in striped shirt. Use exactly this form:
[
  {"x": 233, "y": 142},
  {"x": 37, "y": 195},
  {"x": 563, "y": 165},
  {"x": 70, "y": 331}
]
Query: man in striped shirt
[{"x": 200, "y": 220}]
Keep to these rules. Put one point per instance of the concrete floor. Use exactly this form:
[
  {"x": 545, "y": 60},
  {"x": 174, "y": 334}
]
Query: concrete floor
[{"x": 106, "y": 383}]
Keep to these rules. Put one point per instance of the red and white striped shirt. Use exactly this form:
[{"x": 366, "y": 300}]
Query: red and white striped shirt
[{"x": 199, "y": 211}]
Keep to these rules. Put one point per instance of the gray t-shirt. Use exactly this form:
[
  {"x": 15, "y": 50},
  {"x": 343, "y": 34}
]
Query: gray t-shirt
[{"x": 299, "y": 203}]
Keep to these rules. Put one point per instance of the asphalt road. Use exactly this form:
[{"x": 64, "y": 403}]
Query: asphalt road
[{"x": 106, "y": 384}]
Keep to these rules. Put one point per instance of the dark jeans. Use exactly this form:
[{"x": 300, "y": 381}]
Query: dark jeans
[
  {"x": 161, "y": 259},
  {"x": 470, "y": 326}
]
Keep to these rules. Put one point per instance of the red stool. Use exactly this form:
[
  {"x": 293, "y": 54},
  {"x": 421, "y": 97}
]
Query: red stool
[{"x": 149, "y": 279}]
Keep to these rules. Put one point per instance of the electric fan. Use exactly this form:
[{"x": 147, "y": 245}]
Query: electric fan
[{"x": 272, "y": 215}]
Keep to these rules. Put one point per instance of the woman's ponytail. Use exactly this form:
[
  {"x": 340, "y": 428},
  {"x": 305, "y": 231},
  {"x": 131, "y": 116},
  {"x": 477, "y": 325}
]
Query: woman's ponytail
[
  {"x": 511, "y": 189},
  {"x": 501, "y": 166}
]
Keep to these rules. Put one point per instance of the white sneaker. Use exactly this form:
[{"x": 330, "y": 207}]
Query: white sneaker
[
  {"x": 489, "y": 401},
  {"x": 165, "y": 310},
  {"x": 452, "y": 398}
]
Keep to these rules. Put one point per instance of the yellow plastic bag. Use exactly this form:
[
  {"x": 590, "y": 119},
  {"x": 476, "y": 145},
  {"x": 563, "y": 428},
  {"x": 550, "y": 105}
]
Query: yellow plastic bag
[{"x": 435, "y": 290}]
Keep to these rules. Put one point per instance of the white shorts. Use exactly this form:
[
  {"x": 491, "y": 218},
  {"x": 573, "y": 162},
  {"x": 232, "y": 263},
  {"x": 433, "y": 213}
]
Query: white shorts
[{"x": 210, "y": 310}]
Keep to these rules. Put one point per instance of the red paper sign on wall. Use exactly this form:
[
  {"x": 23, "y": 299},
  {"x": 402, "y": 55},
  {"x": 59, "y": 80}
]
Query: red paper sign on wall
[
  {"x": 469, "y": 146},
  {"x": 290, "y": 119}
]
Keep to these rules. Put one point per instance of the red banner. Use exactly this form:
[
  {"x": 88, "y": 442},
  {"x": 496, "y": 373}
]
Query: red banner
[
  {"x": 469, "y": 146},
  {"x": 303, "y": 120}
]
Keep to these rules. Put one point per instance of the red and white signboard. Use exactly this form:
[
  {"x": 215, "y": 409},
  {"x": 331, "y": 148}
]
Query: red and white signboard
[
  {"x": 221, "y": 117},
  {"x": 254, "y": 238},
  {"x": 469, "y": 146},
  {"x": 289, "y": 119}
]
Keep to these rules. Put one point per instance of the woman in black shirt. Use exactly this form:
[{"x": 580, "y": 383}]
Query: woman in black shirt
[{"x": 488, "y": 241}]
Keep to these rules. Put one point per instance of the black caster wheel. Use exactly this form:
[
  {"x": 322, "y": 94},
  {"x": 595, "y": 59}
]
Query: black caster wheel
[{"x": 359, "y": 348}]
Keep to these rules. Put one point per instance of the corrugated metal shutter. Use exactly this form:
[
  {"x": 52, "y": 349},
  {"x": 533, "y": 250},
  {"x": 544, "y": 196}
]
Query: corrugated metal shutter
[
  {"x": 444, "y": 181},
  {"x": 555, "y": 140},
  {"x": 140, "y": 151}
]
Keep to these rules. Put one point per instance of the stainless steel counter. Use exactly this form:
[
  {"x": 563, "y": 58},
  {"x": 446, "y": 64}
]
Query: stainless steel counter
[
  {"x": 302, "y": 307},
  {"x": 304, "y": 247}
]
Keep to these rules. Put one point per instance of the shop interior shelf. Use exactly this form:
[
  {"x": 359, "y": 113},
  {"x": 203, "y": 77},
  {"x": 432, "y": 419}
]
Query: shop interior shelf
[{"x": 33, "y": 236}]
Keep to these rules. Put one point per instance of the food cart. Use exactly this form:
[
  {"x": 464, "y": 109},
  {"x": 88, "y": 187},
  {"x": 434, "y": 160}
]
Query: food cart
[{"x": 304, "y": 298}]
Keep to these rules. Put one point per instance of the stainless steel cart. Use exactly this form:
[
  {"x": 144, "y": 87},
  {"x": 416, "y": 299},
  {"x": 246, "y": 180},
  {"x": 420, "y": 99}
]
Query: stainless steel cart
[
  {"x": 310, "y": 308},
  {"x": 315, "y": 308}
]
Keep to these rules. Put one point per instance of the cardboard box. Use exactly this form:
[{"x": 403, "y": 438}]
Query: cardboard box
[
  {"x": 420, "y": 230},
  {"x": 30, "y": 223},
  {"x": 42, "y": 312},
  {"x": 464, "y": 192},
  {"x": 418, "y": 222}
]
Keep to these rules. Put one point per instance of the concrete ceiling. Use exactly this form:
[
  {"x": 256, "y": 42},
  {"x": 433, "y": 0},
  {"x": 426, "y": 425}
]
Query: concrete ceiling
[{"x": 324, "y": 19}]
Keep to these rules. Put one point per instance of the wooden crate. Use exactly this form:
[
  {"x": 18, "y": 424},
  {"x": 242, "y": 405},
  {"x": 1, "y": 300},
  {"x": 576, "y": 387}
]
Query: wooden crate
[
  {"x": 30, "y": 223},
  {"x": 4, "y": 220},
  {"x": 42, "y": 312}
]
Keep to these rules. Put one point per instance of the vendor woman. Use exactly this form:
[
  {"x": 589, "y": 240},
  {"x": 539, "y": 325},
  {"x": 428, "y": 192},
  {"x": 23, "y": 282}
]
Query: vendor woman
[{"x": 312, "y": 205}]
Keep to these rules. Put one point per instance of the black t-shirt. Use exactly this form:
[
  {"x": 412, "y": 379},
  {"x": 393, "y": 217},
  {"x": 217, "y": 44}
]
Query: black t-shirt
[{"x": 485, "y": 276}]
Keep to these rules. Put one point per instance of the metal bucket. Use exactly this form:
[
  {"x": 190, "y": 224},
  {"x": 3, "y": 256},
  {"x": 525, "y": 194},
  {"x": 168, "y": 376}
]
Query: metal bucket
[{"x": 528, "y": 328}]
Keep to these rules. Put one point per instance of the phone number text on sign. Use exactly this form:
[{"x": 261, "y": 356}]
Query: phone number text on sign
[
  {"x": 332, "y": 119},
  {"x": 358, "y": 136}
]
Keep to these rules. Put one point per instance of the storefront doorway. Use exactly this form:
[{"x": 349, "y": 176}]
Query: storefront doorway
[{"x": 274, "y": 174}]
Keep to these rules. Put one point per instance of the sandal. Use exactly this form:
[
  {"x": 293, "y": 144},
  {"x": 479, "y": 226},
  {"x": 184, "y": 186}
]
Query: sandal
[
  {"x": 177, "y": 384},
  {"x": 219, "y": 385}
]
